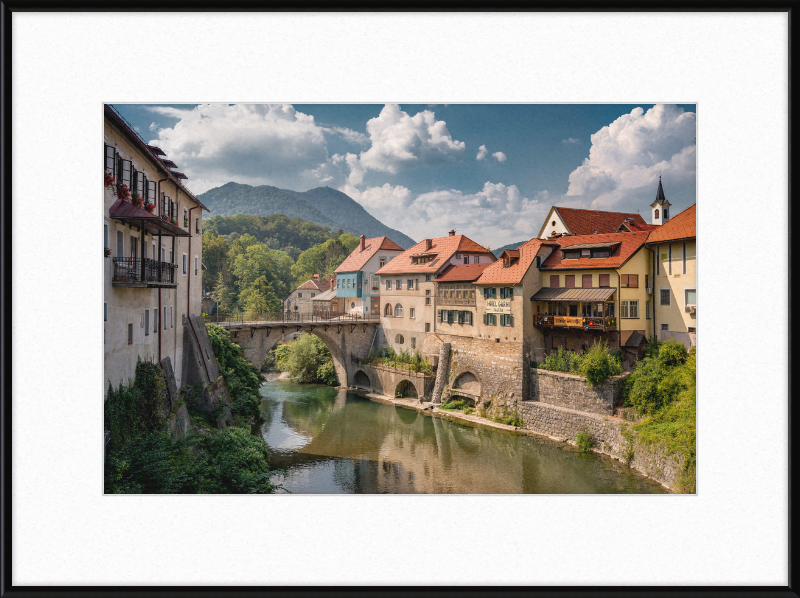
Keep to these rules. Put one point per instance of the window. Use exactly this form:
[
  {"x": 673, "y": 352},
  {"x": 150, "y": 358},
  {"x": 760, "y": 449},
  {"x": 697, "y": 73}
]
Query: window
[
  {"x": 348, "y": 283},
  {"x": 647, "y": 309},
  {"x": 656, "y": 216},
  {"x": 692, "y": 330},
  {"x": 506, "y": 292},
  {"x": 427, "y": 327},
  {"x": 299, "y": 295},
  {"x": 428, "y": 277},
  {"x": 571, "y": 255},
  {"x": 553, "y": 223},
  {"x": 387, "y": 311},
  {"x": 554, "y": 281},
  {"x": 468, "y": 317},
  {"x": 460, "y": 317},
  {"x": 124, "y": 172},
  {"x": 105, "y": 311},
  {"x": 312, "y": 295},
  {"x": 466, "y": 259},
  {"x": 409, "y": 285},
  {"x": 451, "y": 316},
  {"x": 600, "y": 253},
  {"x": 398, "y": 284},
  {"x": 669, "y": 258},
  {"x": 412, "y": 312},
  {"x": 337, "y": 284},
  {"x": 171, "y": 260},
  {"x": 489, "y": 293},
  {"x": 197, "y": 266},
  {"x": 665, "y": 327},
  {"x": 155, "y": 320},
  {"x": 690, "y": 296},
  {"x": 610, "y": 310},
  {"x": 506, "y": 320},
  {"x": 427, "y": 300},
  {"x": 666, "y": 213},
  {"x": 490, "y": 319},
  {"x": 538, "y": 261},
  {"x": 413, "y": 343},
  {"x": 155, "y": 252},
  {"x": 629, "y": 309},
  {"x": 388, "y": 285},
  {"x": 569, "y": 281},
  {"x": 130, "y": 333},
  {"x": 109, "y": 159},
  {"x": 399, "y": 339},
  {"x": 684, "y": 258},
  {"x": 427, "y": 291},
  {"x": 184, "y": 263},
  {"x": 647, "y": 281},
  {"x": 586, "y": 253},
  {"x": 165, "y": 317},
  {"x": 586, "y": 281},
  {"x": 134, "y": 247},
  {"x": 105, "y": 236},
  {"x": 147, "y": 322},
  {"x": 665, "y": 295},
  {"x": 197, "y": 224},
  {"x": 398, "y": 311},
  {"x": 383, "y": 262},
  {"x": 633, "y": 281},
  {"x": 170, "y": 317}
]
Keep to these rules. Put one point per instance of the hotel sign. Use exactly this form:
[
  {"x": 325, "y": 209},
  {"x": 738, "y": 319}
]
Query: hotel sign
[{"x": 498, "y": 306}]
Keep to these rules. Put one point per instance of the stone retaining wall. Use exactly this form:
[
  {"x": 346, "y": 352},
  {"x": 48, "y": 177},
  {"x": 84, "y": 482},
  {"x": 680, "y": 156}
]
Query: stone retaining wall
[
  {"x": 573, "y": 392},
  {"x": 607, "y": 437},
  {"x": 385, "y": 380}
]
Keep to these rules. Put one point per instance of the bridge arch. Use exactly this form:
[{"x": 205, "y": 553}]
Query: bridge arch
[
  {"x": 362, "y": 380},
  {"x": 406, "y": 388}
]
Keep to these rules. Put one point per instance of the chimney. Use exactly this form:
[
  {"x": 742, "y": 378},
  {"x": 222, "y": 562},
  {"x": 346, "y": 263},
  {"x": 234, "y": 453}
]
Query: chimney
[
  {"x": 363, "y": 241},
  {"x": 595, "y": 232},
  {"x": 452, "y": 233},
  {"x": 428, "y": 243},
  {"x": 316, "y": 275}
]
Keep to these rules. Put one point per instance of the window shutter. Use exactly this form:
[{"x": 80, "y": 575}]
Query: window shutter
[
  {"x": 586, "y": 282},
  {"x": 511, "y": 293},
  {"x": 494, "y": 293},
  {"x": 485, "y": 319},
  {"x": 441, "y": 314},
  {"x": 510, "y": 320},
  {"x": 569, "y": 281},
  {"x": 554, "y": 281},
  {"x": 151, "y": 191},
  {"x": 485, "y": 292},
  {"x": 633, "y": 281},
  {"x": 623, "y": 280},
  {"x": 469, "y": 318},
  {"x": 605, "y": 280},
  {"x": 110, "y": 159}
]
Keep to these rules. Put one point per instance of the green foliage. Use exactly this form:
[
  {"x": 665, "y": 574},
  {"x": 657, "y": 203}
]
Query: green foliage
[
  {"x": 664, "y": 390},
  {"x": 137, "y": 407},
  {"x": 229, "y": 461},
  {"x": 452, "y": 404},
  {"x": 583, "y": 441},
  {"x": 309, "y": 361},
  {"x": 243, "y": 379},
  {"x": 323, "y": 259},
  {"x": 672, "y": 353},
  {"x": 597, "y": 364},
  {"x": 509, "y": 419},
  {"x": 403, "y": 360}
]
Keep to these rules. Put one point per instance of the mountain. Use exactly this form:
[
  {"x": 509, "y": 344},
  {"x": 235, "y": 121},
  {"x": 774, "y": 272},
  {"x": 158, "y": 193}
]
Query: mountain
[
  {"x": 499, "y": 250},
  {"x": 323, "y": 206}
]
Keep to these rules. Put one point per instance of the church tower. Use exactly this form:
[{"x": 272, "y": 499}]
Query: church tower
[{"x": 660, "y": 207}]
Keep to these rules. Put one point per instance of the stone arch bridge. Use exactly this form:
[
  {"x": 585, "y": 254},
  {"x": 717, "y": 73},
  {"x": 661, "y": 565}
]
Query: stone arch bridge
[{"x": 348, "y": 340}]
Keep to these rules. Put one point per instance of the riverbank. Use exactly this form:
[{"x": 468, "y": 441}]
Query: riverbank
[{"x": 610, "y": 434}]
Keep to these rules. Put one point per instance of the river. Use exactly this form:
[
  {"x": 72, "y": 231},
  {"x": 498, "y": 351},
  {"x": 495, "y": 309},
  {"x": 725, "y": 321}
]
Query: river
[{"x": 336, "y": 442}]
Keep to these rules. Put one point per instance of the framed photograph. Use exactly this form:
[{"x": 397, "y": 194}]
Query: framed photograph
[{"x": 446, "y": 263}]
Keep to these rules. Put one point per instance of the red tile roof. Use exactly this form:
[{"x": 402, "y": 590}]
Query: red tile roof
[
  {"x": 629, "y": 243},
  {"x": 682, "y": 226},
  {"x": 461, "y": 272},
  {"x": 445, "y": 247},
  {"x": 514, "y": 273},
  {"x": 314, "y": 285},
  {"x": 585, "y": 222},
  {"x": 356, "y": 260},
  {"x": 636, "y": 228}
]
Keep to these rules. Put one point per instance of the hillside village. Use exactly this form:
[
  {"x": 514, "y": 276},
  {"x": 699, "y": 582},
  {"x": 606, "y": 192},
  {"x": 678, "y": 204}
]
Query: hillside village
[{"x": 483, "y": 324}]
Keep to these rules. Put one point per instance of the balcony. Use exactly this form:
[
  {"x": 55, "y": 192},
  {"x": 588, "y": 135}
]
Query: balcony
[
  {"x": 143, "y": 272},
  {"x": 468, "y": 301},
  {"x": 585, "y": 322}
]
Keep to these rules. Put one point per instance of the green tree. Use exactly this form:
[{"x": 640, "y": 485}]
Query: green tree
[
  {"x": 215, "y": 258},
  {"x": 308, "y": 361}
]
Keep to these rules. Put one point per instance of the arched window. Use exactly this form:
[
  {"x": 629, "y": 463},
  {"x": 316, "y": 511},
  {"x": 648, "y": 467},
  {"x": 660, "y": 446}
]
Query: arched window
[
  {"x": 388, "y": 310},
  {"x": 656, "y": 215},
  {"x": 554, "y": 223},
  {"x": 399, "y": 339},
  {"x": 398, "y": 311},
  {"x": 666, "y": 214}
]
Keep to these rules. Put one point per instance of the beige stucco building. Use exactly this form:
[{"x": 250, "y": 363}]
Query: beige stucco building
[
  {"x": 674, "y": 246},
  {"x": 152, "y": 229}
]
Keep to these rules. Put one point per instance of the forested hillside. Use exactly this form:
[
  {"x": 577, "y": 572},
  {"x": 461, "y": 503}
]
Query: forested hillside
[
  {"x": 499, "y": 250},
  {"x": 322, "y": 206}
]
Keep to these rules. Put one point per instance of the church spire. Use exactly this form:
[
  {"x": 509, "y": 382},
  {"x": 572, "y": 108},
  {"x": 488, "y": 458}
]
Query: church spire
[{"x": 660, "y": 193}]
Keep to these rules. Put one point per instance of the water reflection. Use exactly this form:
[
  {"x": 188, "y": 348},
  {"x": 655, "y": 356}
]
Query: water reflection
[{"x": 334, "y": 442}]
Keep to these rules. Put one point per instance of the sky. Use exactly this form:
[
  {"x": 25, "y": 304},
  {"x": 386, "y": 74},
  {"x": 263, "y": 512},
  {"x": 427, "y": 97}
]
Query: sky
[{"x": 489, "y": 171}]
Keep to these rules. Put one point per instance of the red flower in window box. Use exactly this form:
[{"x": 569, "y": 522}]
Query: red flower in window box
[
  {"x": 123, "y": 191},
  {"x": 107, "y": 252},
  {"x": 137, "y": 200},
  {"x": 109, "y": 180},
  {"x": 150, "y": 207}
]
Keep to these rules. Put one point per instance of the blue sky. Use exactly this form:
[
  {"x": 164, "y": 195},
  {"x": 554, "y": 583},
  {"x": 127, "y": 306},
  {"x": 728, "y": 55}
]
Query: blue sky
[{"x": 492, "y": 172}]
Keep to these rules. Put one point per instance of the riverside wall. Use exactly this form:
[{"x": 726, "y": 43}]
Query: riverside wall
[{"x": 568, "y": 390}]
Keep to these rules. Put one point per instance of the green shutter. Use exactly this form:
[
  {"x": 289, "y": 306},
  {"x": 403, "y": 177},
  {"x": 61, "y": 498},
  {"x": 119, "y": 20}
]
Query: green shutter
[
  {"x": 494, "y": 293},
  {"x": 510, "y": 320},
  {"x": 485, "y": 319},
  {"x": 511, "y": 293},
  {"x": 485, "y": 292}
]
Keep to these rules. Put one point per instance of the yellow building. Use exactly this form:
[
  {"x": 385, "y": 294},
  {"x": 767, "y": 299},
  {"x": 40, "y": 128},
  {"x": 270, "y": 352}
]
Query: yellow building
[
  {"x": 596, "y": 288},
  {"x": 675, "y": 249}
]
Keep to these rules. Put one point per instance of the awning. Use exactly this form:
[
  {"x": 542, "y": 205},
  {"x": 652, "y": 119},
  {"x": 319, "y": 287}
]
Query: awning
[
  {"x": 127, "y": 212},
  {"x": 562, "y": 294}
]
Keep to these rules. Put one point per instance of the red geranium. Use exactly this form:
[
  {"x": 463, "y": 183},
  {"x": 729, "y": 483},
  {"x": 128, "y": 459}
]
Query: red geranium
[
  {"x": 109, "y": 180},
  {"x": 123, "y": 191}
]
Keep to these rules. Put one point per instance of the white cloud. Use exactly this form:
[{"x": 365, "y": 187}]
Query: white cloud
[
  {"x": 494, "y": 213},
  {"x": 482, "y": 151},
  {"x": 348, "y": 135},
  {"x": 400, "y": 141},
  {"x": 255, "y": 144},
  {"x": 153, "y": 126},
  {"x": 628, "y": 155},
  {"x": 501, "y": 157},
  {"x": 570, "y": 140}
]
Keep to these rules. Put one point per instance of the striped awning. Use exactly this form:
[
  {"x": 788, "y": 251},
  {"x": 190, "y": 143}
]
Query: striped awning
[{"x": 562, "y": 294}]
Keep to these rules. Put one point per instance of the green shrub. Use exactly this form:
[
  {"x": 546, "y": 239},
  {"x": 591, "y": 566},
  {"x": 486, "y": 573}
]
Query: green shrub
[
  {"x": 672, "y": 353},
  {"x": 598, "y": 364},
  {"x": 583, "y": 441},
  {"x": 652, "y": 347},
  {"x": 242, "y": 378},
  {"x": 556, "y": 361},
  {"x": 136, "y": 408},
  {"x": 306, "y": 358},
  {"x": 326, "y": 373}
]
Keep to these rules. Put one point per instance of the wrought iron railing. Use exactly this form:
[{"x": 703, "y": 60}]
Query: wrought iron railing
[
  {"x": 135, "y": 269},
  {"x": 470, "y": 301},
  {"x": 586, "y": 322},
  {"x": 287, "y": 317}
]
